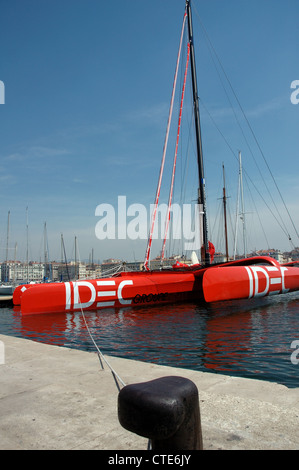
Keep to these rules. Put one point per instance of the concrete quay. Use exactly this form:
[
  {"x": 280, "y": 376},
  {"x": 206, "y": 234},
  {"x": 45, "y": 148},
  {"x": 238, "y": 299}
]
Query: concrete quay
[{"x": 56, "y": 398}]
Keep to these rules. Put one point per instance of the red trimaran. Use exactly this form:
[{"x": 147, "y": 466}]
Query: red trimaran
[{"x": 243, "y": 279}]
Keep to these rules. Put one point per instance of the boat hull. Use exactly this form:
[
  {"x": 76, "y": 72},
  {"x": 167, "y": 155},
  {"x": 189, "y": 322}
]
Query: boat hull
[
  {"x": 248, "y": 282},
  {"x": 243, "y": 279},
  {"x": 126, "y": 289},
  {"x": 6, "y": 290}
]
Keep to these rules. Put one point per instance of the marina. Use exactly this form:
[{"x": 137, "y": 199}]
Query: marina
[{"x": 229, "y": 323}]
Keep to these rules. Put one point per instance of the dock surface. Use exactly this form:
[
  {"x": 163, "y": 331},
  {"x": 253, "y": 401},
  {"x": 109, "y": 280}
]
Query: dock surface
[
  {"x": 56, "y": 398},
  {"x": 5, "y": 300}
]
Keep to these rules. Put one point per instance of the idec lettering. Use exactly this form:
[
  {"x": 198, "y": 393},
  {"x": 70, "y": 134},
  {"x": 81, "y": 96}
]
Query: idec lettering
[
  {"x": 266, "y": 280},
  {"x": 97, "y": 294}
]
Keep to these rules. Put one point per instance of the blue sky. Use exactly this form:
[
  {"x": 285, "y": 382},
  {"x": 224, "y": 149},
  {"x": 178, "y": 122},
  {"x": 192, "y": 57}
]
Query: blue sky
[{"x": 87, "y": 91}]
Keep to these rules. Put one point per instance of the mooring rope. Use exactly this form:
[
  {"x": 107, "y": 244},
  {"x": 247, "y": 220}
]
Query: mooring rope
[{"x": 101, "y": 355}]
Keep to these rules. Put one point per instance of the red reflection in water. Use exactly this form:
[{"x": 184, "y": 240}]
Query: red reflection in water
[
  {"x": 223, "y": 337},
  {"x": 227, "y": 337}
]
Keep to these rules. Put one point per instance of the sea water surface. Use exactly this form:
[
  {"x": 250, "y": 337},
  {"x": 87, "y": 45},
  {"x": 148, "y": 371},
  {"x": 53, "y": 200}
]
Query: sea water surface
[{"x": 254, "y": 339}]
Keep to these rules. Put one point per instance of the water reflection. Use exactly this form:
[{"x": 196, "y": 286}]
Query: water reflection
[{"x": 238, "y": 338}]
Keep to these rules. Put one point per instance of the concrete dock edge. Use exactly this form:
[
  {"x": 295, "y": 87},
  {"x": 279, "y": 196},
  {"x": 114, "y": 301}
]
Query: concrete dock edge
[{"x": 56, "y": 398}]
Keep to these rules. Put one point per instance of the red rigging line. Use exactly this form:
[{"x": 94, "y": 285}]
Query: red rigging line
[
  {"x": 175, "y": 155},
  {"x": 147, "y": 255}
]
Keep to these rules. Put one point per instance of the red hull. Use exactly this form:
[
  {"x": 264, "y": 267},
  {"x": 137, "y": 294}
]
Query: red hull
[
  {"x": 247, "y": 282},
  {"x": 243, "y": 279},
  {"x": 126, "y": 289}
]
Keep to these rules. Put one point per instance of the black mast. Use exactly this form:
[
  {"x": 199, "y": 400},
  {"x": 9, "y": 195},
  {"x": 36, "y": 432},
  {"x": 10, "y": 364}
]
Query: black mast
[{"x": 205, "y": 255}]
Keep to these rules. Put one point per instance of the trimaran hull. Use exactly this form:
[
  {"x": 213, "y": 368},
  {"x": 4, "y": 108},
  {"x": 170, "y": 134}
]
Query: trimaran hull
[{"x": 246, "y": 279}]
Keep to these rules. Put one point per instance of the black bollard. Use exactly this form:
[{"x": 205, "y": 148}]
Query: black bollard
[{"x": 164, "y": 410}]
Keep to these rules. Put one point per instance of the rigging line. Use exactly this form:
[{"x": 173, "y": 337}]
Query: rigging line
[
  {"x": 249, "y": 125},
  {"x": 281, "y": 222},
  {"x": 176, "y": 245},
  {"x": 282, "y": 225},
  {"x": 100, "y": 354},
  {"x": 65, "y": 259},
  {"x": 218, "y": 129},
  {"x": 114, "y": 270},
  {"x": 175, "y": 155},
  {"x": 258, "y": 215},
  {"x": 187, "y": 160},
  {"x": 147, "y": 255},
  {"x": 186, "y": 170},
  {"x": 245, "y": 139}
]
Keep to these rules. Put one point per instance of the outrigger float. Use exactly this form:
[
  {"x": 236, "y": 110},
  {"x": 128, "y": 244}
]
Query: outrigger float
[{"x": 248, "y": 278}]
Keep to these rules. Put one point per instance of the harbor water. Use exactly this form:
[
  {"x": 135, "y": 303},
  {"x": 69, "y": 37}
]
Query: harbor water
[{"x": 257, "y": 340}]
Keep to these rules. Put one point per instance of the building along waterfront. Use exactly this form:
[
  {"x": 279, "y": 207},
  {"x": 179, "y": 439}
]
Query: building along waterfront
[{"x": 17, "y": 272}]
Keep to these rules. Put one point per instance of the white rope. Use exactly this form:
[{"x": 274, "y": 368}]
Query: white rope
[
  {"x": 113, "y": 270},
  {"x": 100, "y": 354}
]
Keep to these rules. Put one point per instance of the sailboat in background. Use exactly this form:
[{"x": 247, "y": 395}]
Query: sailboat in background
[
  {"x": 239, "y": 279},
  {"x": 5, "y": 287}
]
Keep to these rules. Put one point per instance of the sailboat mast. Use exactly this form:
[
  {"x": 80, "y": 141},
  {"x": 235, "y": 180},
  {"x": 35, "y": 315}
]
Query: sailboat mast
[
  {"x": 45, "y": 250},
  {"x": 76, "y": 275},
  {"x": 27, "y": 241},
  {"x": 205, "y": 255},
  {"x": 243, "y": 207},
  {"x": 6, "y": 258},
  {"x": 240, "y": 214},
  {"x": 225, "y": 217}
]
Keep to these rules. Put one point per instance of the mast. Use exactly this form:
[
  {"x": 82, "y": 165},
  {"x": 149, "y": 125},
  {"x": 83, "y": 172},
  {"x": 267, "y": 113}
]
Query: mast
[
  {"x": 225, "y": 217},
  {"x": 63, "y": 253},
  {"x": 48, "y": 265},
  {"x": 27, "y": 241},
  {"x": 15, "y": 260},
  {"x": 243, "y": 207},
  {"x": 76, "y": 273},
  {"x": 6, "y": 257},
  {"x": 205, "y": 255},
  {"x": 45, "y": 251},
  {"x": 240, "y": 214}
]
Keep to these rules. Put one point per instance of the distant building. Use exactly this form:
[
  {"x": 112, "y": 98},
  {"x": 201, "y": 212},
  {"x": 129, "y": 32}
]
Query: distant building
[
  {"x": 71, "y": 271},
  {"x": 15, "y": 271},
  {"x": 133, "y": 266},
  {"x": 294, "y": 254},
  {"x": 93, "y": 271},
  {"x": 276, "y": 254},
  {"x": 18, "y": 272}
]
